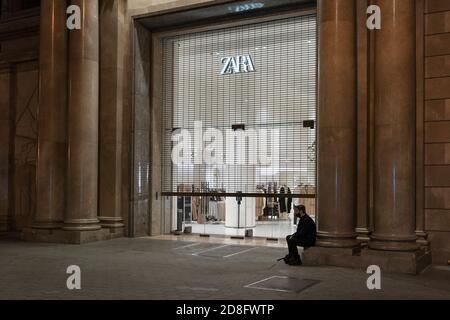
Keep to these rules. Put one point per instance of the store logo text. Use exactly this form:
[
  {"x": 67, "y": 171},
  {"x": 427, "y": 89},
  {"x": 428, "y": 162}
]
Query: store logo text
[{"x": 237, "y": 64}]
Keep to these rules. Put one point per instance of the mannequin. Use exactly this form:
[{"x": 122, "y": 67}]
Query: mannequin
[
  {"x": 259, "y": 204},
  {"x": 289, "y": 200},
  {"x": 310, "y": 203},
  {"x": 283, "y": 203},
  {"x": 196, "y": 203},
  {"x": 298, "y": 189},
  {"x": 221, "y": 209}
]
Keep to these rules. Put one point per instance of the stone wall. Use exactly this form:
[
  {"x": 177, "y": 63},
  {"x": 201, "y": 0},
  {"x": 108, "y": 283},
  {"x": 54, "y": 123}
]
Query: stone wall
[
  {"x": 5, "y": 144},
  {"x": 140, "y": 135},
  {"x": 19, "y": 47},
  {"x": 437, "y": 128},
  {"x": 25, "y": 107},
  {"x": 146, "y": 6}
]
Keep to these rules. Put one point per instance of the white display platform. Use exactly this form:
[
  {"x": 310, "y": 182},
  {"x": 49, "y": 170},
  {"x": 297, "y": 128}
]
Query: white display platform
[{"x": 236, "y": 223}]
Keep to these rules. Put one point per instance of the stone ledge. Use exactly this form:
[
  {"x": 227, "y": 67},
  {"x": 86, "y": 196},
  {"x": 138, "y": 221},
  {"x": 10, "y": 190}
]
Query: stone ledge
[
  {"x": 70, "y": 237},
  {"x": 388, "y": 261},
  {"x": 339, "y": 257},
  {"x": 397, "y": 262}
]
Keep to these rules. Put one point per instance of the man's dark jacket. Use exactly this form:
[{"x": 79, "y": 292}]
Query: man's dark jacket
[{"x": 306, "y": 231}]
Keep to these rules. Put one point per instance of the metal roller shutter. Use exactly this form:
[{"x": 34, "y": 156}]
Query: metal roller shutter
[{"x": 274, "y": 99}]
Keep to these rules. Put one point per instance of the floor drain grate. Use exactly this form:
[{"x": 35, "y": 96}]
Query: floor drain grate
[{"x": 283, "y": 284}]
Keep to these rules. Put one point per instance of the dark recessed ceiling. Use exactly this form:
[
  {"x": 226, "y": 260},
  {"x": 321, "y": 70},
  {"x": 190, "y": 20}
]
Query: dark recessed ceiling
[{"x": 220, "y": 11}]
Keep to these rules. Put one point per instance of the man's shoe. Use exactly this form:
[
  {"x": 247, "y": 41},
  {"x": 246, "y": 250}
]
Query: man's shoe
[
  {"x": 295, "y": 261},
  {"x": 287, "y": 258}
]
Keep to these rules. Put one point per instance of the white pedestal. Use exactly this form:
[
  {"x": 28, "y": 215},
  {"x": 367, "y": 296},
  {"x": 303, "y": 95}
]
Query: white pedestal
[{"x": 234, "y": 225}]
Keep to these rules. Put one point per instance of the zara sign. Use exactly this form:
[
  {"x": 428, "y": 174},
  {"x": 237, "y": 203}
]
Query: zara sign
[{"x": 237, "y": 64}]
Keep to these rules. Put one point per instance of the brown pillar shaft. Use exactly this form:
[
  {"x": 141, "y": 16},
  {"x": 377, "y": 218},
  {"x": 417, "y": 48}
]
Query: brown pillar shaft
[
  {"x": 112, "y": 59},
  {"x": 337, "y": 123},
  {"x": 394, "y": 154},
  {"x": 4, "y": 7},
  {"x": 363, "y": 177},
  {"x": 51, "y": 160},
  {"x": 420, "y": 100},
  {"x": 6, "y": 144},
  {"x": 82, "y": 173}
]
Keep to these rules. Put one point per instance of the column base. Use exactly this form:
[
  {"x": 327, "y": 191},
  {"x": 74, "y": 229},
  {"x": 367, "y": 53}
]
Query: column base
[
  {"x": 393, "y": 244},
  {"x": 422, "y": 238},
  {"x": 46, "y": 225},
  {"x": 388, "y": 261},
  {"x": 339, "y": 257},
  {"x": 363, "y": 235},
  {"x": 70, "y": 236},
  {"x": 81, "y": 225},
  {"x": 397, "y": 262},
  {"x": 111, "y": 222},
  {"x": 329, "y": 240}
]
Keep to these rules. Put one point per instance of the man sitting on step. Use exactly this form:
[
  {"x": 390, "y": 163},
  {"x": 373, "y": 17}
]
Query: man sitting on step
[{"x": 304, "y": 237}]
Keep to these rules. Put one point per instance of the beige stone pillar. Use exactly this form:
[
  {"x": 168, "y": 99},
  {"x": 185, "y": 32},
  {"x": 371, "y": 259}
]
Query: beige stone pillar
[
  {"x": 337, "y": 124},
  {"x": 83, "y": 116},
  {"x": 394, "y": 154},
  {"x": 6, "y": 134},
  {"x": 363, "y": 116},
  {"x": 51, "y": 160},
  {"x": 420, "y": 130},
  {"x": 112, "y": 77},
  {"x": 4, "y": 7}
]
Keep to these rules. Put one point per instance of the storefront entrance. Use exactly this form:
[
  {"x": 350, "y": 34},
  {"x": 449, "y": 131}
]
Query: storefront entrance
[{"x": 239, "y": 127}]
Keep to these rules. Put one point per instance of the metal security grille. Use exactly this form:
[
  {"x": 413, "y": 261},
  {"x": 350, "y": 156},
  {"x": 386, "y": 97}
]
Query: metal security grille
[{"x": 262, "y": 103}]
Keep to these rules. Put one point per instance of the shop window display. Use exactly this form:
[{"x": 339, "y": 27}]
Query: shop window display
[{"x": 261, "y": 104}]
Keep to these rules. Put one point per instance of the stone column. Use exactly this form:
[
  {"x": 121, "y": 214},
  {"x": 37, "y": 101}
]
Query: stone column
[
  {"x": 112, "y": 19},
  {"x": 83, "y": 117},
  {"x": 420, "y": 130},
  {"x": 51, "y": 160},
  {"x": 4, "y": 7},
  {"x": 337, "y": 124},
  {"x": 363, "y": 115},
  {"x": 394, "y": 154},
  {"x": 6, "y": 134}
]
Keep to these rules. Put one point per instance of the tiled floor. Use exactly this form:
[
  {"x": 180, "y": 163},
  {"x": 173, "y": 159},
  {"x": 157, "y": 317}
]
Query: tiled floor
[
  {"x": 174, "y": 268},
  {"x": 221, "y": 239},
  {"x": 263, "y": 229}
]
